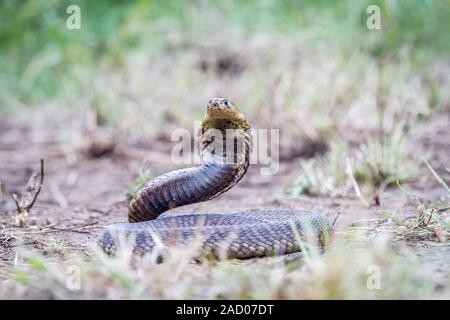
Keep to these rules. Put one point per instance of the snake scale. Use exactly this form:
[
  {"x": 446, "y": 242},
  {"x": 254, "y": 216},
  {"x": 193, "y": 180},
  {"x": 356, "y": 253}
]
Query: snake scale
[{"x": 225, "y": 144}]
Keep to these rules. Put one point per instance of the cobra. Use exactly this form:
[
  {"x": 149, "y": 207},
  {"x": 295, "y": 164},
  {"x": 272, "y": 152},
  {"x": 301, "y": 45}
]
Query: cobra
[{"x": 225, "y": 144}]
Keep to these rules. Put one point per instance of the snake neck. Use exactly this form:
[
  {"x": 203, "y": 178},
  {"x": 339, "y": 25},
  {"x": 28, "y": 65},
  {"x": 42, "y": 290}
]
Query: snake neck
[
  {"x": 224, "y": 145},
  {"x": 230, "y": 155}
]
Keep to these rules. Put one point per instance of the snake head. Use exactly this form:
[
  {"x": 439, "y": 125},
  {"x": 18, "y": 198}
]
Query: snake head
[
  {"x": 220, "y": 103},
  {"x": 224, "y": 121},
  {"x": 220, "y": 111},
  {"x": 221, "y": 107}
]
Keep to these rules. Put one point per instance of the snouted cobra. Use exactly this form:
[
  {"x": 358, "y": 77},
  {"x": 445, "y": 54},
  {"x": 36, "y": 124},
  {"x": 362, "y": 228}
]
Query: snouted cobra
[{"x": 224, "y": 145}]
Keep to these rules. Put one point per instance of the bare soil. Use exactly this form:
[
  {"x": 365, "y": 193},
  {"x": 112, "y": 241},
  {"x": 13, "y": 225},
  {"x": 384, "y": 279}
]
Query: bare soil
[{"x": 82, "y": 194}]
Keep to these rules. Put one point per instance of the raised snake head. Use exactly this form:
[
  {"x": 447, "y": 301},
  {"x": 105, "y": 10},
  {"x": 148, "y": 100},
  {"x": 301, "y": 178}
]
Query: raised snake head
[
  {"x": 224, "y": 120},
  {"x": 221, "y": 114}
]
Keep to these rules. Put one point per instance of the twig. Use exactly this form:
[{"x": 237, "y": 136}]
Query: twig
[
  {"x": 53, "y": 229},
  {"x": 335, "y": 219},
  {"x": 23, "y": 205},
  {"x": 30, "y": 205},
  {"x": 16, "y": 201},
  {"x": 77, "y": 228}
]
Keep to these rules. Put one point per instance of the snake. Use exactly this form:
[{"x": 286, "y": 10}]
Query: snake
[{"x": 225, "y": 144}]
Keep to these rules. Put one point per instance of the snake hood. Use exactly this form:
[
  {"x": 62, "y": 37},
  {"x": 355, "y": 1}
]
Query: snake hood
[{"x": 225, "y": 135}]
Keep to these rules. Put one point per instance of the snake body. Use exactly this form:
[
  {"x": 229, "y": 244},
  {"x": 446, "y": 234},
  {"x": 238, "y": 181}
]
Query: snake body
[{"x": 225, "y": 144}]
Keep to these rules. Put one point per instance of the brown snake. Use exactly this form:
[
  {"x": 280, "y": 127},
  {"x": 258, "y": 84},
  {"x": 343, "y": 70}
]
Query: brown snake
[{"x": 225, "y": 144}]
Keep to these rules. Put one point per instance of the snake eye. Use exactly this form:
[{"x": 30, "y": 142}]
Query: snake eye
[{"x": 226, "y": 102}]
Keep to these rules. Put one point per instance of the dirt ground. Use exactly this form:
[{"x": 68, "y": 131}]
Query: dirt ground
[{"x": 82, "y": 194}]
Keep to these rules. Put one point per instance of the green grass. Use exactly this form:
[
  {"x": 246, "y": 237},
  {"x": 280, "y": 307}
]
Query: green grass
[{"x": 43, "y": 60}]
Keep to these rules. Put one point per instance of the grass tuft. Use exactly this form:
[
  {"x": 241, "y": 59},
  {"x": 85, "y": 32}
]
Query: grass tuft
[{"x": 375, "y": 165}]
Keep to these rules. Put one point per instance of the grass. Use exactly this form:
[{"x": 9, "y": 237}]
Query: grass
[
  {"x": 318, "y": 277},
  {"x": 143, "y": 177},
  {"x": 382, "y": 264},
  {"x": 374, "y": 165},
  {"x": 43, "y": 60},
  {"x": 430, "y": 222},
  {"x": 310, "y": 68}
]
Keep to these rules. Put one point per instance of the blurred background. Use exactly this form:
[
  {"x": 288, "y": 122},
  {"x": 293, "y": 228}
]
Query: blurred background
[
  {"x": 311, "y": 68},
  {"x": 363, "y": 113}
]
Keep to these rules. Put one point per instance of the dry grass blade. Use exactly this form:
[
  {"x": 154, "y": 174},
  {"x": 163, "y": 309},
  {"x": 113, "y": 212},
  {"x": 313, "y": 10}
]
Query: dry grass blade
[
  {"x": 438, "y": 178},
  {"x": 350, "y": 174}
]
